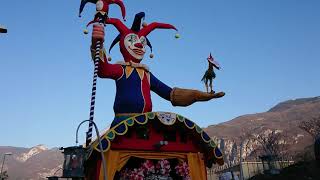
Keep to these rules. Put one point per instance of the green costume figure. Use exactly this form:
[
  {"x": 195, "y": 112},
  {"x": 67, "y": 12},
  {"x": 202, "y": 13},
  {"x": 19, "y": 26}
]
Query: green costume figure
[{"x": 209, "y": 75}]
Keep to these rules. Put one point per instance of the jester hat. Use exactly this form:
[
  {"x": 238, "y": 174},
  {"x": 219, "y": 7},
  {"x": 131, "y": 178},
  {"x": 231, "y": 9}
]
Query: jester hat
[
  {"x": 213, "y": 62},
  {"x": 103, "y": 6},
  {"x": 135, "y": 35},
  {"x": 136, "y": 25}
]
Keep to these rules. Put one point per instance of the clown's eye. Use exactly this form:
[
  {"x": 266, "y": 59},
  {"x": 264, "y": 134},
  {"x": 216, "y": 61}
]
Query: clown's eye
[
  {"x": 133, "y": 39},
  {"x": 143, "y": 41}
]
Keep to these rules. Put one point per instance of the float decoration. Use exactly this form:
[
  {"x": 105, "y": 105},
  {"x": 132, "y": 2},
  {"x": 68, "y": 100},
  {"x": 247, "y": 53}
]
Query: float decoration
[
  {"x": 136, "y": 131},
  {"x": 156, "y": 136},
  {"x": 142, "y": 144},
  {"x": 166, "y": 119},
  {"x": 209, "y": 75}
]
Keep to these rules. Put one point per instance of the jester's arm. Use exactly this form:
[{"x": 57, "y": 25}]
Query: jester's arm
[
  {"x": 178, "y": 96},
  {"x": 105, "y": 70}
]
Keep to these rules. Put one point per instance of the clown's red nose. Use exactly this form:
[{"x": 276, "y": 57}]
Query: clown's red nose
[{"x": 138, "y": 45}]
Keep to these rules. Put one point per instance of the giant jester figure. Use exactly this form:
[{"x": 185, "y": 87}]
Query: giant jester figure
[
  {"x": 140, "y": 144},
  {"x": 134, "y": 80}
]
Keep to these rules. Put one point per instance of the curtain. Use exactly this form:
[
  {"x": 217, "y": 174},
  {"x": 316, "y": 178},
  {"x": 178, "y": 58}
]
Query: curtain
[{"x": 116, "y": 160}]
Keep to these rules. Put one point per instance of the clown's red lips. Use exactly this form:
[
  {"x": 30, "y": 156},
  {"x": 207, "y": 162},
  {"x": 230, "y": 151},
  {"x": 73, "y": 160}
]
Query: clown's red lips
[{"x": 138, "y": 51}]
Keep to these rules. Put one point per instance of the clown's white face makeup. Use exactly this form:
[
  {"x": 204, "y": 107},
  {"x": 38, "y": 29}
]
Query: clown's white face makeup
[
  {"x": 135, "y": 45},
  {"x": 99, "y": 5}
]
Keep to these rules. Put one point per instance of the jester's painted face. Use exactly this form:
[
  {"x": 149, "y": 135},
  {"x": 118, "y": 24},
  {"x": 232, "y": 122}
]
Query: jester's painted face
[
  {"x": 99, "y": 5},
  {"x": 135, "y": 45}
]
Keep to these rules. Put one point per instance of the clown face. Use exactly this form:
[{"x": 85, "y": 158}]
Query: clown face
[
  {"x": 135, "y": 45},
  {"x": 99, "y": 5}
]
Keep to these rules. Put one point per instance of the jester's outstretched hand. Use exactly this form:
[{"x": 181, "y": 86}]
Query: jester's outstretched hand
[{"x": 133, "y": 79}]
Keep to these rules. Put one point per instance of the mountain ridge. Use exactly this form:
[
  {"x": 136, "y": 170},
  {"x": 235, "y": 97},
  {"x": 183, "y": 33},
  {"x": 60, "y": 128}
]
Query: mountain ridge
[{"x": 284, "y": 117}]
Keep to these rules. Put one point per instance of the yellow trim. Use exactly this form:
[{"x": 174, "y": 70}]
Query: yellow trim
[
  {"x": 146, "y": 120},
  {"x": 127, "y": 114},
  {"x": 203, "y": 137},
  {"x": 123, "y": 132},
  {"x": 194, "y": 124},
  {"x": 129, "y": 124},
  {"x": 97, "y": 148},
  {"x": 128, "y": 71},
  {"x": 148, "y": 77},
  {"x": 140, "y": 73},
  {"x": 214, "y": 152}
]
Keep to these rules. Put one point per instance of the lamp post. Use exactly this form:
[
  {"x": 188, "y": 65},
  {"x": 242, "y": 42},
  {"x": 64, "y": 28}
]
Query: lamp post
[
  {"x": 4, "y": 158},
  {"x": 3, "y": 30}
]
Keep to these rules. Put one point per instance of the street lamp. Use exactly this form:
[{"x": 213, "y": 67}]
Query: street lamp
[
  {"x": 4, "y": 158},
  {"x": 3, "y": 30}
]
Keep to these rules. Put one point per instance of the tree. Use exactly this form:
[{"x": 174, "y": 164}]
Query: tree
[
  {"x": 233, "y": 154},
  {"x": 311, "y": 126},
  {"x": 271, "y": 143}
]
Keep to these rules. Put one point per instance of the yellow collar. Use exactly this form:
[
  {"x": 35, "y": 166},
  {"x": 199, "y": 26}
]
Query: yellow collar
[
  {"x": 134, "y": 65},
  {"x": 130, "y": 66}
]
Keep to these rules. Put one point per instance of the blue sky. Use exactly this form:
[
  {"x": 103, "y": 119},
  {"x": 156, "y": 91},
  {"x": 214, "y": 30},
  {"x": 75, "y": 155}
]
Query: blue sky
[{"x": 269, "y": 52}]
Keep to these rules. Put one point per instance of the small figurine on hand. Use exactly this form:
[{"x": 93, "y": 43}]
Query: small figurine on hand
[{"x": 209, "y": 75}]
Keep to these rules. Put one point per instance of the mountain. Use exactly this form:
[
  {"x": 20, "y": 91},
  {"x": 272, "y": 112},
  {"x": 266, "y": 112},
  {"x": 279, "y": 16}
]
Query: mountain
[
  {"x": 283, "y": 118},
  {"x": 32, "y": 163}
]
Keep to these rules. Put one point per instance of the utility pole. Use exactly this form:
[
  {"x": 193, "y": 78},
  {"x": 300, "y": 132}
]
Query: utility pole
[{"x": 4, "y": 158}]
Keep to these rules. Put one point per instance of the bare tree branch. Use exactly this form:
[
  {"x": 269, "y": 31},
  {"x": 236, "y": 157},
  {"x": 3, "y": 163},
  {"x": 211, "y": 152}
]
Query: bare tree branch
[{"x": 311, "y": 126}]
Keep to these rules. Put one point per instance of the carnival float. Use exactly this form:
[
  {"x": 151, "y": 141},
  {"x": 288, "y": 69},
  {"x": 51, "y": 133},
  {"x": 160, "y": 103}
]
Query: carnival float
[{"x": 140, "y": 144}]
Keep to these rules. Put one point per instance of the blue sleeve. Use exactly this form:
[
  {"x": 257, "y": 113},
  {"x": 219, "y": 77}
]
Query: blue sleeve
[{"x": 159, "y": 87}]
